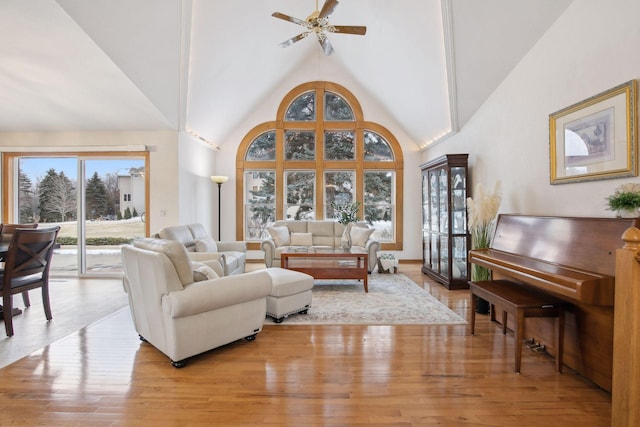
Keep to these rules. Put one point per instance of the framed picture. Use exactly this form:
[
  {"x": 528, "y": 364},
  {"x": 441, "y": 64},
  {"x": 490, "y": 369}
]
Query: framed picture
[{"x": 595, "y": 138}]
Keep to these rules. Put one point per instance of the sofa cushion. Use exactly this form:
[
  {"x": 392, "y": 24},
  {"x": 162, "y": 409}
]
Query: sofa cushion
[
  {"x": 206, "y": 244},
  {"x": 280, "y": 235},
  {"x": 214, "y": 264},
  {"x": 176, "y": 253},
  {"x": 197, "y": 231},
  {"x": 179, "y": 233},
  {"x": 324, "y": 232},
  {"x": 301, "y": 239},
  {"x": 288, "y": 282},
  {"x": 202, "y": 272},
  {"x": 296, "y": 226},
  {"x": 234, "y": 260},
  {"x": 360, "y": 235}
]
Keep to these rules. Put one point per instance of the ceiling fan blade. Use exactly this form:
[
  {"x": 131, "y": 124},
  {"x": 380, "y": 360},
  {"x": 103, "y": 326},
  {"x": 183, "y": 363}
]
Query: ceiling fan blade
[
  {"x": 350, "y": 29},
  {"x": 288, "y": 18},
  {"x": 326, "y": 46},
  {"x": 292, "y": 40},
  {"x": 327, "y": 8}
]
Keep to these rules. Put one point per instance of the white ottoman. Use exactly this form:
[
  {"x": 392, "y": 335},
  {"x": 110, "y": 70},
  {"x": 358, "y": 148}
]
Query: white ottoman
[{"x": 291, "y": 293}]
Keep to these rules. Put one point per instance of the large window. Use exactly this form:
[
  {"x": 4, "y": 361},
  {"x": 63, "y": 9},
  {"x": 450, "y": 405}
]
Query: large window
[{"x": 319, "y": 152}]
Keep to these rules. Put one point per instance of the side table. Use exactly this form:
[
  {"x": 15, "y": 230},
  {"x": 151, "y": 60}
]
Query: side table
[{"x": 387, "y": 263}]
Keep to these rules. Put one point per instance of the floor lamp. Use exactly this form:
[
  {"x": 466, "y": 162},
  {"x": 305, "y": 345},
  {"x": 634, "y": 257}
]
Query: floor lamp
[{"x": 218, "y": 179}]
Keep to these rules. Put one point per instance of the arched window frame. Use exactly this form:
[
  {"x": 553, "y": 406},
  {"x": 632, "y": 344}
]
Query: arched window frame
[{"x": 319, "y": 165}]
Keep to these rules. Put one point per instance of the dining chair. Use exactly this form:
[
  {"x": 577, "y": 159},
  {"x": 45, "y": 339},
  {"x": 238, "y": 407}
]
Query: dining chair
[
  {"x": 27, "y": 265},
  {"x": 6, "y": 231}
]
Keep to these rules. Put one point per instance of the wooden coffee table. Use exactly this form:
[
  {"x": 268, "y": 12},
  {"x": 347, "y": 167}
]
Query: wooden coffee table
[{"x": 328, "y": 263}]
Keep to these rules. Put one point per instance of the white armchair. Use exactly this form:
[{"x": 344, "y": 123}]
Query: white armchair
[{"x": 182, "y": 316}]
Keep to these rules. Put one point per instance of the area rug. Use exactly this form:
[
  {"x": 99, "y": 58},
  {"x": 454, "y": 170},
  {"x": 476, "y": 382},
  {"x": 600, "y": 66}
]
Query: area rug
[{"x": 393, "y": 299}]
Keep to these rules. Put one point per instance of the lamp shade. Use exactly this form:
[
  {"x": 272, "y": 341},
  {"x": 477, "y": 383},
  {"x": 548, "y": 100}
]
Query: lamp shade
[{"x": 219, "y": 179}]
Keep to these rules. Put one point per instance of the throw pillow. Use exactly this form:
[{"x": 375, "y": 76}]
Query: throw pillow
[
  {"x": 280, "y": 235},
  {"x": 206, "y": 244},
  {"x": 202, "y": 272},
  {"x": 301, "y": 239},
  {"x": 175, "y": 251},
  {"x": 360, "y": 235}
]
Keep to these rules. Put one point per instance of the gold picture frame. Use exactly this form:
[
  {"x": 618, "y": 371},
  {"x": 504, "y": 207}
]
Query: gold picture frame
[{"x": 595, "y": 138}]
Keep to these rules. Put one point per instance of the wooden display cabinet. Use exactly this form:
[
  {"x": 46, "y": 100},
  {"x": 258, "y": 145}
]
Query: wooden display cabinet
[{"x": 446, "y": 240}]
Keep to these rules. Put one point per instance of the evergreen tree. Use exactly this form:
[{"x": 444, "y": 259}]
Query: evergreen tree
[
  {"x": 300, "y": 192},
  {"x": 263, "y": 147},
  {"x": 377, "y": 193},
  {"x": 300, "y": 145},
  {"x": 263, "y": 203},
  {"x": 26, "y": 199},
  {"x": 339, "y": 188},
  {"x": 45, "y": 196},
  {"x": 339, "y": 146},
  {"x": 127, "y": 213},
  {"x": 96, "y": 197}
]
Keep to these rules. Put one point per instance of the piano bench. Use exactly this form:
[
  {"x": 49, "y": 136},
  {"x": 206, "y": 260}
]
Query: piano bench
[{"x": 520, "y": 302}]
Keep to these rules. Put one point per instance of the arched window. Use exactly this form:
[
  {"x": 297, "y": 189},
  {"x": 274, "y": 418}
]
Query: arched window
[{"x": 319, "y": 152}]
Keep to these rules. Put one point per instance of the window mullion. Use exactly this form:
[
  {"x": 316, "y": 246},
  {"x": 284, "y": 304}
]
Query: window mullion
[{"x": 319, "y": 153}]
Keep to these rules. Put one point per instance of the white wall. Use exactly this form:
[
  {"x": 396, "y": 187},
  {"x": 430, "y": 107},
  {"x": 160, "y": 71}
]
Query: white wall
[
  {"x": 163, "y": 148},
  {"x": 592, "y": 47},
  {"x": 198, "y": 196},
  {"x": 373, "y": 110}
]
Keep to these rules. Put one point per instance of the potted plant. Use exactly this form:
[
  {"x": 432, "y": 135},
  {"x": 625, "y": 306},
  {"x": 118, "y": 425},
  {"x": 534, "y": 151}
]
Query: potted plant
[
  {"x": 482, "y": 210},
  {"x": 346, "y": 214},
  {"x": 625, "y": 200}
]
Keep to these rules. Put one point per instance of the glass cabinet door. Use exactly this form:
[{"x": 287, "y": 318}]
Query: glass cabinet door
[
  {"x": 458, "y": 200},
  {"x": 435, "y": 259},
  {"x": 459, "y": 264},
  {"x": 434, "y": 205},
  {"x": 443, "y": 201}
]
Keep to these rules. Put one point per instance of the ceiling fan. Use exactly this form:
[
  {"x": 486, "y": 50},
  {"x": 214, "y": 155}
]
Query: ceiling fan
[{"x": 318, "y": 23}]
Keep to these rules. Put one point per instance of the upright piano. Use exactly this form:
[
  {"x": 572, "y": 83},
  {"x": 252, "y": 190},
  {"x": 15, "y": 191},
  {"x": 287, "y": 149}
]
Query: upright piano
[{"x": 570, "y": 258}]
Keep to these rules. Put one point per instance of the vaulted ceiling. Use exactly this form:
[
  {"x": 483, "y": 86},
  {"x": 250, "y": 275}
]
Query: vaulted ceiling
[{"x": 202, "y": 65}]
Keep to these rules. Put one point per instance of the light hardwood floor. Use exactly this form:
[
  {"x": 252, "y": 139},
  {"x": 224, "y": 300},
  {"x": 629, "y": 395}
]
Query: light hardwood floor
[{"x": 301, "y": 375}]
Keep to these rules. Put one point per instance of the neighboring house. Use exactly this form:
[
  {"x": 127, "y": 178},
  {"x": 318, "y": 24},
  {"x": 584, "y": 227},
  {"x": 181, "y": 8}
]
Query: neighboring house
[{"x": 131, "y": 186}]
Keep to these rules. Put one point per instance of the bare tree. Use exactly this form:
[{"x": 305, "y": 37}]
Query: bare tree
[
  {"x": 113, "y": 193},
  {"x": 61, "y": 197}
]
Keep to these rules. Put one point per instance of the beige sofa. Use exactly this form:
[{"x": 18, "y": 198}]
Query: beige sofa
[
  {"x": 201, "y": 246},
  {"x": 321, "y": 233},
  {"x": 184, "y": 308}
]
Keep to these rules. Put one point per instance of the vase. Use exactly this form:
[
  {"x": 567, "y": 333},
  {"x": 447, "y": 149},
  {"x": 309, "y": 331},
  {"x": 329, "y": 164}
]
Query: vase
[
  {"x": 345, "y": 242},
  {"x": 479, "y": 273},
  {"x": 627, "y": 213}
]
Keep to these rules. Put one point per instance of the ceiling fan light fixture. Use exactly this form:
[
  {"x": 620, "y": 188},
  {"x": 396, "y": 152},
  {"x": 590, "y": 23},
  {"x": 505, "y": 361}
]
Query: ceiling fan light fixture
[{"x": 318, "y": 22}]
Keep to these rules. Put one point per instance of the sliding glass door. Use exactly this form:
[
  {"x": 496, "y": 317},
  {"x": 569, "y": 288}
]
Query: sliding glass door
[
  {"x": 114, "y": 209},
  {"x": 99, "y": 202}
]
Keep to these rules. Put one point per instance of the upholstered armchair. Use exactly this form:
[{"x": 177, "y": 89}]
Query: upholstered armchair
[
  {"x": 184, "y": 308},
  {"x": 201, "y": 246}
]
